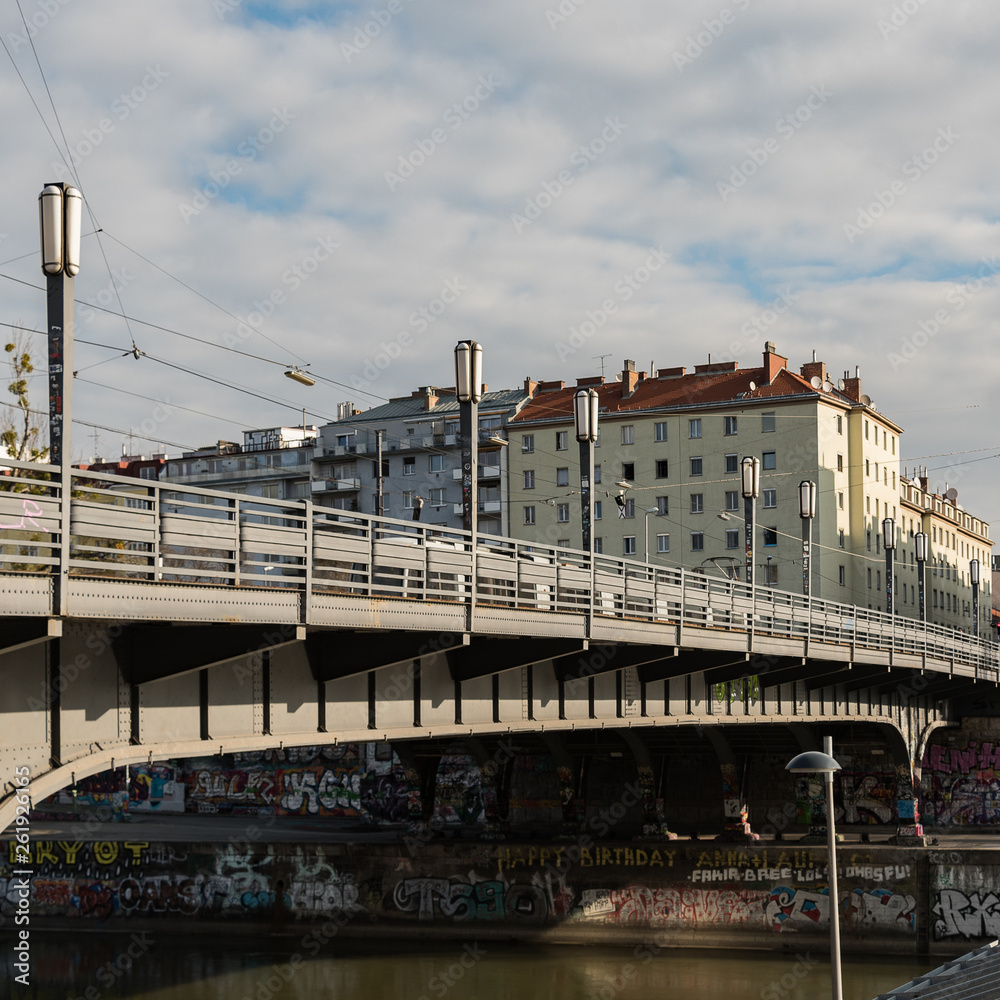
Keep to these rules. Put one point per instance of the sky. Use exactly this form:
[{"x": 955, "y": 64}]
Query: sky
[{"x": 357, "y": 187}]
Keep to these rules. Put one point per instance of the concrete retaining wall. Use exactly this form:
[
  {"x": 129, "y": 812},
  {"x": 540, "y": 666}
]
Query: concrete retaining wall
[{"x": 900, "y": 900}]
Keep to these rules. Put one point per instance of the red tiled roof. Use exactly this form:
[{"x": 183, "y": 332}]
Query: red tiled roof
[{"x": 677, "y": 391}]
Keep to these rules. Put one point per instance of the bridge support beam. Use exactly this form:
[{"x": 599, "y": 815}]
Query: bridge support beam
[
  {"x": 737, "y": 822},
  {"x": 24, "y": 632}
]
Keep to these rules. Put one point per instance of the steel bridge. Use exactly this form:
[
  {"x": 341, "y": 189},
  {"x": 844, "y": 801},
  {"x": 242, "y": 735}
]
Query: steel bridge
[{"x": 146, "y": 621}]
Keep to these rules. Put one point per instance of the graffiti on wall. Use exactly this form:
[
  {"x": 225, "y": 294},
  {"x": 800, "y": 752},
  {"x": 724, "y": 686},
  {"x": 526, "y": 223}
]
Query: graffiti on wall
[
  {"x": 458, "y": 798},
  {"x": 961, "y": 785},
  {"x": 472, "y": 898},
  {"x": 967, "y": 915},
  {"x": 881, "y": 909},
  {"x": 669, "y": 907},
  {"x": 867, "y": 798}
]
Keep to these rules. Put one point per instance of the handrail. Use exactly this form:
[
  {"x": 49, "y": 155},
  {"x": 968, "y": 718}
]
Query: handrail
[{"x": 128, "y": 528}]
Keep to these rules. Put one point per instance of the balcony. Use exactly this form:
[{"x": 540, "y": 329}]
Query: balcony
[{"x": 334, "y": 485}]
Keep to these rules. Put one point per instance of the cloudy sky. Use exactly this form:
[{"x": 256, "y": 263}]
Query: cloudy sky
[{"x": 356, "y": 187}]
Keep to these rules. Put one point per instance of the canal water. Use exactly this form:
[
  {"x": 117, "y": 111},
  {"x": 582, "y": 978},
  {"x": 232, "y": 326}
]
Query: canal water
[{"x": 237, "y": 966}]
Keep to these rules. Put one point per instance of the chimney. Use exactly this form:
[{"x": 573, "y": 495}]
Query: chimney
[
  {"x": 629, "y": 377},
  {"x": 773, "y": 362},
  {"x": 812, "y": 368},
  {"x": 530, "y": 385},
  {"x": 852, "y": 389}
]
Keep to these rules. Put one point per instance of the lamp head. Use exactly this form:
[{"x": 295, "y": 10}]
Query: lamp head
[{"x": 812, "y": 762}]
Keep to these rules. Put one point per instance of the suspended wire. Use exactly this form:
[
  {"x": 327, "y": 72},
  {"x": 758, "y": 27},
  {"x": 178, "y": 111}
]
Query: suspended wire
[
  {"x": 118, "y": 430},
  {"x": 202, "y": 295}
]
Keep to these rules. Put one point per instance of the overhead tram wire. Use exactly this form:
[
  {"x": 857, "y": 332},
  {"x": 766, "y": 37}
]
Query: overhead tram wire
[
  {"x": 71, "y": 166},
  {"x": 201, "y": 295},
  {"x": 118, "y": 430},
  {"x": 188, "y": 336}
]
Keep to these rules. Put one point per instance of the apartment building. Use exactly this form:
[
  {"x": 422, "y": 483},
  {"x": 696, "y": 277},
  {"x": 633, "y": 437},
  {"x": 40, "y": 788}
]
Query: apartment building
[
  {"x": 421, "y": 458},
  {"x": 273, "y": 462},
  {"x": 667, "y": 476}
]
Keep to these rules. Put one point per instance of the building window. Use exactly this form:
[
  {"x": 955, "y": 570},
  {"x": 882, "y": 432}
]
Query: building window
[
  {"x": 409, "y": 466},
  {"x": 628, "y": 434},
  {"x": 562, "y": 477},
  {"x": 866, "y": 430},
  {"x": 840, "y": 501},
  {"x": 629, "y": 509},
  {"x": 732, "y": 538},
  {"x": 840, "y": 537},
  {"x": 597, "y": 474},
  {"x": 868, "y": 469},
  {"x": 770, "y": 498},
  {"x": 732, "y": 464},
  {"x": 662, "y": 505},
  {"x": 694, "y": 428},
  {"x": 840, "y": 424},
  {"x": 628, "y": 545},
  {"x": 528, "y": 444},
  {"x": 697, "y": 541},
  {"x": 869, "y": 578},
  {"x": 696, "y": 465},
  {"x": 437, "y": 498},
  {"x": 628, "y": 470},
  {"x": 598, "y": 545},
  {"x": 562, "y": 440},
  {"x": 436, "y": 463},
  {"x": 878, "y": 579},
  {"x": 769, "y": 460},
  {"x": 598, "y": 511},
  {"x": 730, "y": 426},
  {"x": 408, "y": 500},
  {"x": 529, "y": 479},
  {"x": 660, "y": 430},
  {"x": 562, "y": 512},
  {"x": 529, "y": 515},
  {"x": 843, "y": 576},
  {"x": 767, "y": 423},
  {"x": 662, "y": 469},
  {"x": 562, "y": 543},
  {"x": 770, "y": 536},
  {"x": 662, "y": 543},
  {"x": 840, "y": 463},
  {"x": 868, "y": 541},
  {"x": 732, "y": 499},
  {"x": 697, "y": 503},
  {"x": 770, "y": 576}
]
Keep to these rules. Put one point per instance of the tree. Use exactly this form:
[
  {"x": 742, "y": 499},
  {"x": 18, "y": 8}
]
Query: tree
[{"x": 19, "y": 436}]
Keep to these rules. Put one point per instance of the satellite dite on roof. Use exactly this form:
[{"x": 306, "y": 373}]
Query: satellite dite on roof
[
  {"x": 815, "y": 381},
  {"x": 866, "y": 399}
]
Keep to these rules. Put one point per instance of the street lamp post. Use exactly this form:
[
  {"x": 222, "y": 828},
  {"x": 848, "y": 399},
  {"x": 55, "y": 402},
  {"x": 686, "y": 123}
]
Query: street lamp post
[
  {"x": 648, "y": 511},
  {"x": 469, "y": 390},
  {"x": 920, "y": 545},
  {"x": 750, "y": 486},
  {"x": 974, "y": 579},
  {"x": 60, "y": 209},
  {"x": 814, "y": 762},
  {"x": 889, "y": 544},
  {"x": 807, "y": 511},
  {"x": 585, "y": 408}
]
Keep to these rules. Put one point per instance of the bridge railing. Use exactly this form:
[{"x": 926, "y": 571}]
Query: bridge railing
[{"x": 128, "y": 528}]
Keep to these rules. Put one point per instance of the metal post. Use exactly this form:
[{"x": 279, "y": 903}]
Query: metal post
[
  {"x": 806, "y": 544},
  {"x": 974, "y": 577},
  {"x": 469, "y": 429},
  {"x": 920, "y": 547},
  {"x": 831, "y": 842},
  {"x": 807, "y": 511},
  {"x": 60, "y": 209},
  {"x": 750, "y": 487},
  {"x": 889, "y": 544},
  {"x": 379, "y": 480},
  {"x": 469, "y": 390},
  {"x": 586, "y": 509}
]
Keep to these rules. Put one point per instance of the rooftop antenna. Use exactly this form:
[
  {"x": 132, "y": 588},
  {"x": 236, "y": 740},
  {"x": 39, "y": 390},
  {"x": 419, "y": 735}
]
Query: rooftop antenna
[{"x": 601, "y": 357}]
